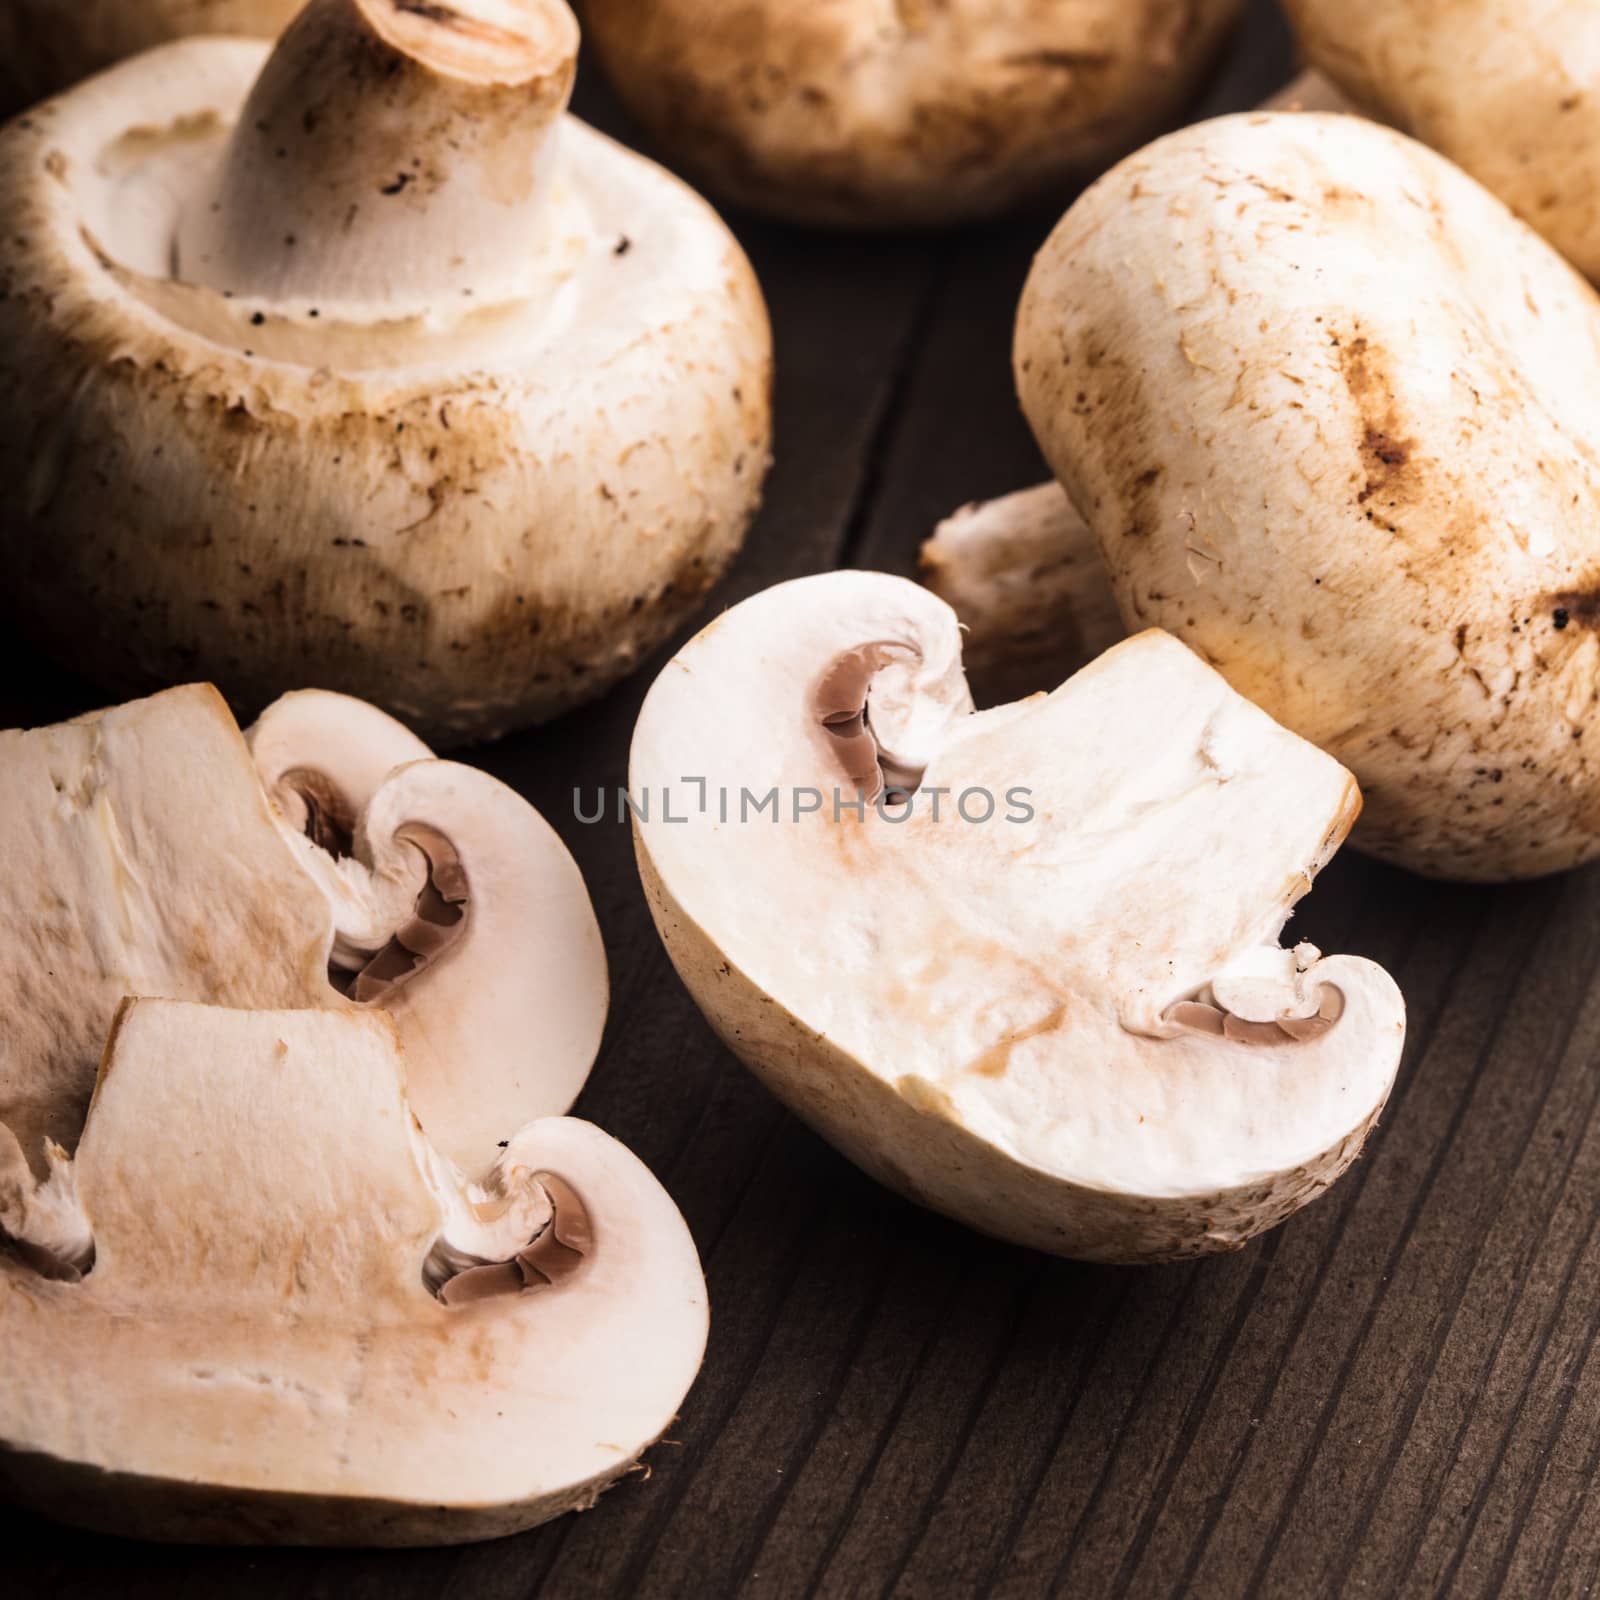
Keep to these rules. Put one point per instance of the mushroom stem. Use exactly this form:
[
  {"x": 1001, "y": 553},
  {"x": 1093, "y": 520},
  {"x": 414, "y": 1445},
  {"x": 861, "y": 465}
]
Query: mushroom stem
[{"x": 392, "y": 151}]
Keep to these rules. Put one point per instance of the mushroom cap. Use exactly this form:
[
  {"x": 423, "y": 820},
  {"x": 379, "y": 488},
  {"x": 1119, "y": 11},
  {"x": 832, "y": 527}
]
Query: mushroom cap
[
  {"x": 895, "y": 112},
  {"x": 46, "y": 45},
  {"x": 1504, "y": 88},
  {"x": 254, "y": 1354},
  {"x": 1325, "y": 404},
  {"x": 473, "y": 514},
  {"x": 1058, "y": 1022},
  {"x": 1024, "y": 575},
  {"x": 145, "y": 854}
]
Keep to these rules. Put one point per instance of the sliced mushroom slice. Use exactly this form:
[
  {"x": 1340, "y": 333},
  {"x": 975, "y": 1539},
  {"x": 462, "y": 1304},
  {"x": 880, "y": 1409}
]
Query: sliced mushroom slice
[
  {"x": 254, "y": 1354},
  {"x": 144, "y": 853},
  {"x": 456, "y": 907},
  {"x": 322, "y": 756},
  {"x": 995, "y": 997}
]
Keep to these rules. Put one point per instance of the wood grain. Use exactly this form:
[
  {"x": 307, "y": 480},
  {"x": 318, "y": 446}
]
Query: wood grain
[{"x": 1395, "y": 1394}]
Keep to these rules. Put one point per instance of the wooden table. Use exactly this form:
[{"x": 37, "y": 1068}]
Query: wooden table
[{"x": 1394, "y": 1393}]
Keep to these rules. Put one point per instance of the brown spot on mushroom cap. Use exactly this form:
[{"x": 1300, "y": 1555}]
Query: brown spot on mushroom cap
[{"x": 1385, "y": 450}]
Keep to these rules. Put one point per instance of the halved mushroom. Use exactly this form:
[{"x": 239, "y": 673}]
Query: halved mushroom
[
  {"x": 891, "y": 112},
  {"x": 1504, "y": 88},
  {"x": 46, "y": 45},
  {"x": 1325, "y": 404},
  {"x": 291, "y": 1320},
  {"x": 1038, "y": 985},
  {"x": 144, "y": 856},
  {"x": 409, "y": 383}
]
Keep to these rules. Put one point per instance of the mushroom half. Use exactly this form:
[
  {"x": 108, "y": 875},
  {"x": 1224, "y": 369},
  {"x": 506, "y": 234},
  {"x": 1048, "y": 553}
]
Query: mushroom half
[
  {"x": 881, "y": 113},
  {"x": 1022, "y": 965},
  {"x": 47, "y": 45},
  {"x": 343, "y": 869},
  {"x": 284, "y": 1317},
  {"x": 409, "y": 383}
]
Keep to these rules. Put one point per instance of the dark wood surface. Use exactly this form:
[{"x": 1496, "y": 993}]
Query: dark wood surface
[{"x": 1396, "y": 1393}]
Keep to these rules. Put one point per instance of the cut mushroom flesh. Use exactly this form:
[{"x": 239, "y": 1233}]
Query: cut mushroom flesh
[
  {"x": 510, "y": 979},
  {"x": 145, "y": 855},
  {"x": 275, "y": 1395},
  {"x": 1045, "y": 994}
]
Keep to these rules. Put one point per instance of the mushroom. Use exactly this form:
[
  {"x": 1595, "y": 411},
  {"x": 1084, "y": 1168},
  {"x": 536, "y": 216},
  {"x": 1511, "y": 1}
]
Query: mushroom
[
  {"x": 288, "y": 1319},
  {"x": 1024, "y": 571},
  {"x": 1024, "y": 575},
  {"x": 408, "y": 383},
  {"x": 1504, "y": 88},
  {"x": 1325, "y": 404},
  {"x": 145, "y": 856},
  {"x": 1040, "y": 987},
  {"x": 893, "y": 112},
  {"x": 46, "y": 45}
]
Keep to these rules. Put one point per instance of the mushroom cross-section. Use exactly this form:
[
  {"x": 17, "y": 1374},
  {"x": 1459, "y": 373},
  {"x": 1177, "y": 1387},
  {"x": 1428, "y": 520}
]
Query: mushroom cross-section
[
  {"x": 1024, "y": 967},
  {"x": 289, "y": 1319},
  {"x": 144, "y": 855},
  {"x": 411, "y": 385}
]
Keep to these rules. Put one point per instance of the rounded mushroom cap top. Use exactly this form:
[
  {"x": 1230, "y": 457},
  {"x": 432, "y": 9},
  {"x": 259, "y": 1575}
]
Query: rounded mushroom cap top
[
  {"x": 1504, "y": 88},
  {"x": 885, "y": 112},
  {"x": 1293, "y": 369},
  {"x": 1008, "y": 945},
  {"x": 259, "y": 1325}
]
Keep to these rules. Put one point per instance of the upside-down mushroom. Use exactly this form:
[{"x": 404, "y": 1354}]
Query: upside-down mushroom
[
  {"x": 894, "y": 112},
  {"x": 271, "y": 1312},
  {"x": 1041, "y": 988},
  {"x": 48, "y": 45},
  {"x": 355, "y": 359},
  {"x": 147, "y": 854}
]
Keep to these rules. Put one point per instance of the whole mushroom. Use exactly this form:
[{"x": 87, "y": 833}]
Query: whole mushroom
[
  {"x": 1325, "y": 405},
  {"x": 1041, "y": 987},
  {"x": 901, "y": 112},
  {"x": 357, "y": 360},
  {"x": 270, "y": 1311},
  {"x": 1508, "y": 89},
  {"x": 48, "y": 45}
]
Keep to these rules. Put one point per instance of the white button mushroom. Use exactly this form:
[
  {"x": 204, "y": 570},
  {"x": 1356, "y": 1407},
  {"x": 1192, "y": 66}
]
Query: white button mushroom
[
  {"x": 1044, "y": 994},
  {"x": 46, "y": 45},
  {"x": 144, "y": 856},
  {"x": 1326, "y": 406},
  {"x": 884, "y": 112},
  {"x": 401, "y": 380},
  {"x": 288, "y": 1318},
  {"x": 1506, "y": 88}
]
